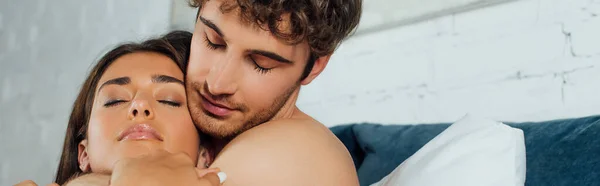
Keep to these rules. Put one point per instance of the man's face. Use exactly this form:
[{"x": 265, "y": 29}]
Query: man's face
[{"x": 239, "y": 76}]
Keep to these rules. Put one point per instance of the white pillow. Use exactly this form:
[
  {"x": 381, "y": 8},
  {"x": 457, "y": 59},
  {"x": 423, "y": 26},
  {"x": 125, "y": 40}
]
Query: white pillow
[{"x": 471, "y": 152}]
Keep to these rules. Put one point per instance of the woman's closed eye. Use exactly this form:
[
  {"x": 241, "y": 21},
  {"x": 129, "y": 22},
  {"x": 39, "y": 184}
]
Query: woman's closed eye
[
  {"x": 114, "y": 102},
  {"x": 170, "y": 103}
]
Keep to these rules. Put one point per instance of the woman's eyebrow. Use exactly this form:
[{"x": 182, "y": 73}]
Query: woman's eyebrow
[
  {"x": 166, "y": 79},
  {"x": 116, "y": 81}
]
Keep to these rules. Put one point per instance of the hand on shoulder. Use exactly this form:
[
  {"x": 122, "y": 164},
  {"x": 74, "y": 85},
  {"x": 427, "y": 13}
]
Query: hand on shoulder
[
  {"x": 32, "y": 183},
  {"x": 92, "y": 179},
  {"x": 162, "y": 168}
]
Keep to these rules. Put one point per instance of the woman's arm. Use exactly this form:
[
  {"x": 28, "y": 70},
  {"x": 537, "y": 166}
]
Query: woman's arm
[
  {"x": 92, "y": 179},
  {"x": 32, "y": 183},
  {"x": 208, "y": 178},
  {"x": 162, "y": 168}
]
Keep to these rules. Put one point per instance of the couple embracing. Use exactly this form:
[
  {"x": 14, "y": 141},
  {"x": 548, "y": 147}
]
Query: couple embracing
[{"x": 216, "y": 106}]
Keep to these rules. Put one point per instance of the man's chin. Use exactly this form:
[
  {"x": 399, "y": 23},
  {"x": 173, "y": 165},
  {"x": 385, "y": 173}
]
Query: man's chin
[{"x": 218, "y": 128}]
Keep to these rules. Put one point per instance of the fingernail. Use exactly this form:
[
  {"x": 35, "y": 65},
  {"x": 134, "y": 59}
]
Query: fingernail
[{"x": 222, "y": 177}]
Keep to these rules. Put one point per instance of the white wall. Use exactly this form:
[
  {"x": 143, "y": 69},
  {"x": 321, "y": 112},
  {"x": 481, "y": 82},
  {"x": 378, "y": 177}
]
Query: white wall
[
  {"x": 385, "y": 14},
  {"x": 527, "y": 60},
  {"x": 46, "y": 47}
]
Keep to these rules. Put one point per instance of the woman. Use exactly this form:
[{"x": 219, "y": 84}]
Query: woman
[{"x": 132, "y": 102}]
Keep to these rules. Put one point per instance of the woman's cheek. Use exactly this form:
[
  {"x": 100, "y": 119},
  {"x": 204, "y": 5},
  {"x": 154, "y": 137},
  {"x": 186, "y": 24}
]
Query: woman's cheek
[{"x": 187, "y": 134}]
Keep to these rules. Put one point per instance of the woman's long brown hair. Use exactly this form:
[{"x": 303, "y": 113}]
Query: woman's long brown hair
[{"x": 175, "y": 45}]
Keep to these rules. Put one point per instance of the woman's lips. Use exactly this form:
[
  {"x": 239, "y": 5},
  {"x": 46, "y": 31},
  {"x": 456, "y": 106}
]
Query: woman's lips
[{"x": 140, "y": 132}]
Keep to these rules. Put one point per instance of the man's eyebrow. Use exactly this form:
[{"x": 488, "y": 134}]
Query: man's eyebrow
[
  {"x": 116, "y": 81},
  {"x": 166, "y": 79},
  {"x": 271, "y": 55},
  {"x": 268, "y": 54},
  {"x": 211, "y": 25}
]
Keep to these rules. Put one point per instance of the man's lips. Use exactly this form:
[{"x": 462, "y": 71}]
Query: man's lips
[
  {"x": 140, "y": 132},
  {"x": 215, "y": 108}
]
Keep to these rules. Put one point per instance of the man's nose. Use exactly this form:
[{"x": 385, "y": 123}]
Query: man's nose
[
  {"x": 140, "y": 108},
  {"x": 222, "y": 78}
]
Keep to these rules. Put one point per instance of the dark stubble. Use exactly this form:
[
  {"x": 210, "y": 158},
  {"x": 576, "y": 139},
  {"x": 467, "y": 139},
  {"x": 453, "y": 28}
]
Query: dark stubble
[{"x": 207, "y": 124}]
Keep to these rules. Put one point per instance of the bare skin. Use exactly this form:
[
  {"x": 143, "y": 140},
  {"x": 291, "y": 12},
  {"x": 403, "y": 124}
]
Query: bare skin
[
  {"x": 141, "y": 89},
  {"x": 298, "y": 151},
  {"x": 242, "y": 85},
  {"x": 144, "y": 100},
  {"x": 32, "y": 183}
]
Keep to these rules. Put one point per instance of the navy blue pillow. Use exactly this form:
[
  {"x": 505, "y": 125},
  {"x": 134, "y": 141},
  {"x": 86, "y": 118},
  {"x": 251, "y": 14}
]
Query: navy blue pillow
[
  {"x": 560, "y": 152},
  {"x": 377, "y": 150}
]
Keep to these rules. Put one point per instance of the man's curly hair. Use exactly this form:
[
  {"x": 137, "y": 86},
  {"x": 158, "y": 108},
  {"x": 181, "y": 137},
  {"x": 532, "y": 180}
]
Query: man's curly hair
[{"x": 323, "y": 23}]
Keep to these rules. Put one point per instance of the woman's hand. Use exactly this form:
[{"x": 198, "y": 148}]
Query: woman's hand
[
  {"x": 162, "y": 168},
  {"x": 89, "y": 179},
  {"x": 32, "y": 183},
  {"x": 201, "y": 172},
  {"x": 211, "y": 176}
]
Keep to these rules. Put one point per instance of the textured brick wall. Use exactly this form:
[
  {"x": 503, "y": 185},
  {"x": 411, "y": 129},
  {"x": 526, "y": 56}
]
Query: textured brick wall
[
  {"x": 46, "y": 47},
  {"x": 517, "y": 61},
  {"x": 523, "y": 60}
]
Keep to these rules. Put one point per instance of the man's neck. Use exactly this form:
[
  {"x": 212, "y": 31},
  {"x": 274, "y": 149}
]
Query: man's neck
[
  {"x": 288, "y": 111},
  {"x": 218, "y": 145}
]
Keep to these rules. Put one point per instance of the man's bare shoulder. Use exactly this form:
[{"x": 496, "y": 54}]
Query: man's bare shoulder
[
  {"x": 295, "y": 151},
  {"x": 301, "y": 128}
]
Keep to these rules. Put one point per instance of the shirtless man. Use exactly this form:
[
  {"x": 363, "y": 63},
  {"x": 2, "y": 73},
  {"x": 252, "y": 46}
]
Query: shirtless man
[{"x": 248, "y": 61}]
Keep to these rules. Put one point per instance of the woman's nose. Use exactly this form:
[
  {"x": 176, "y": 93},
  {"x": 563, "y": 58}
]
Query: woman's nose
[{"x": 140, "y": 109}]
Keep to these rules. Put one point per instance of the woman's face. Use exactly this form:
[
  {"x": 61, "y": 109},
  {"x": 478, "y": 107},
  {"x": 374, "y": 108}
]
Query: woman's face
[{"x": 140, "y": 105}]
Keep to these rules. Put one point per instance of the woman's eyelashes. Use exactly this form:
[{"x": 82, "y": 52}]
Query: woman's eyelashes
[
  {"x": 170, "y": 103},
  {"x": 115, "y": 102},
  {"x": 112, "y": 103}
]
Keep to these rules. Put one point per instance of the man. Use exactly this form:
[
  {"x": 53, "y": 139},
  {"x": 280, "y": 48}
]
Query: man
[{"x": 248, "y": 60}]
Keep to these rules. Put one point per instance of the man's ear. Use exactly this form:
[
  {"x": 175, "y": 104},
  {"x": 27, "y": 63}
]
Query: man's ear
[
  {"x": 82, "y": 156},
  {"x": 318, "y": 67}
]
